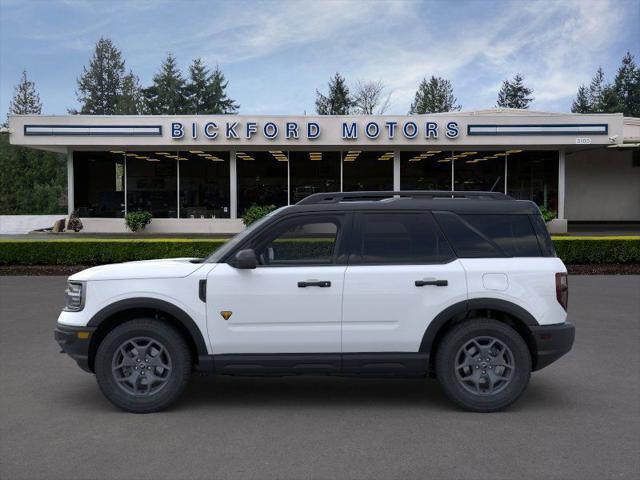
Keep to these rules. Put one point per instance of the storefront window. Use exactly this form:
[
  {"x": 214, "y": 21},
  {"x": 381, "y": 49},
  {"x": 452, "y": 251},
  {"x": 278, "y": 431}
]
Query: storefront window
[
  {"x": 204, "y": 184},
  {"x": 313, "y": 172},
  {"x": 425, "y": 170},
  {"x": 152, "y": 183},
  {"x": 262, "y": 179},
  {"x": 366, "y": 171},
  {"x": 479, "y": 171},
  {"x": 99, "y": 184},
  {"x": 533, "y": 175}
]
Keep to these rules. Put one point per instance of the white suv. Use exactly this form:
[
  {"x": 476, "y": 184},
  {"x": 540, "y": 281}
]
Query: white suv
[{"x": 463, "y": 286}]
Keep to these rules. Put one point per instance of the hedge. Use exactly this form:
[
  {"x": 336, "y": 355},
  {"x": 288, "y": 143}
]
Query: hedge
[{"x": 572, "y": 250}]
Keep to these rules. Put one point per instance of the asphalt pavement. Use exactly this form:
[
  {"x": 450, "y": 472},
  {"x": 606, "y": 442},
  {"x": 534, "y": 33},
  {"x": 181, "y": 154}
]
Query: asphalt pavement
[{"x": 579, "y": 418}]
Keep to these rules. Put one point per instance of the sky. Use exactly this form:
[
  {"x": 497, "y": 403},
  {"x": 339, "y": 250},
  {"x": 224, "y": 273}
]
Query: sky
[{"x": 275, "y": 54}]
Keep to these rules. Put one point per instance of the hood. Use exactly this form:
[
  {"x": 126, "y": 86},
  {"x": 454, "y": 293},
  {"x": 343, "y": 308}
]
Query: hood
[{"x": 164, "y": 268}]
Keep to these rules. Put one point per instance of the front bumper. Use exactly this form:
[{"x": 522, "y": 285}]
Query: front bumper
[
  {"x": 75, "y": 341},
  {"x": 552, "y": 342}
]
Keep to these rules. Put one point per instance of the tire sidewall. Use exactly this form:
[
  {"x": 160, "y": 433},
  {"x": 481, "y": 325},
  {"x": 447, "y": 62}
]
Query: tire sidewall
[
  {"x": 177, "y": 349},
  {"x": 458, "y": 337}
]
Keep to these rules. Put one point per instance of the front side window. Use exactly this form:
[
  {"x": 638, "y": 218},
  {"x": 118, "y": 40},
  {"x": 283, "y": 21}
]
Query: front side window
[
  {"x": 400, "y": 238},
  {"x": 303, "y": 241}
]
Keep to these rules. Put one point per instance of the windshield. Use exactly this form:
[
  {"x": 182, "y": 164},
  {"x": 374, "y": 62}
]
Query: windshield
[{"x": 239, "y": 238}]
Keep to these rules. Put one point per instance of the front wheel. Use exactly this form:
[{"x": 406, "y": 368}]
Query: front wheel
[
  {"x": 483, "y": 365},
  {"x": 143, "y": 365}
]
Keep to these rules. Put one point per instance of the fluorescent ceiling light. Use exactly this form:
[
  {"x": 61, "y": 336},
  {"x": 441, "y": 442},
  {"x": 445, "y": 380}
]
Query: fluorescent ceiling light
[
  {"x": 434, "y": 151},
  {"x": 116, "y": 151},
  {"x": 514, "y": 151},
  {"x": 196, "y": 151}
]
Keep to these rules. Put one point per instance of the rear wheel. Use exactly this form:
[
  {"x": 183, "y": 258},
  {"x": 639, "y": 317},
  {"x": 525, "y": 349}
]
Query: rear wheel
[
  {"x": 483, "y": 365},
  {"x": 143, "y": 365}
]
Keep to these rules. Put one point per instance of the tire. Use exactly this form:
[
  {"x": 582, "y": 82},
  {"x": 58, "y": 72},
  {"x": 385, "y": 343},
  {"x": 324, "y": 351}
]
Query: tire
[
  {"x": 483, "y": 382},
  {"x": 143, "y": 365}
]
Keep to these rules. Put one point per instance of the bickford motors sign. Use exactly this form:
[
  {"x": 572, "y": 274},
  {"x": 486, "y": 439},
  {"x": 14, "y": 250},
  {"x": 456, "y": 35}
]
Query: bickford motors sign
[{"x": 295, "y": 130}]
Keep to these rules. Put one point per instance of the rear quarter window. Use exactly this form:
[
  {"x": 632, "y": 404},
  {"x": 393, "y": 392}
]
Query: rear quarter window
[{"x": 490, "y": 235}]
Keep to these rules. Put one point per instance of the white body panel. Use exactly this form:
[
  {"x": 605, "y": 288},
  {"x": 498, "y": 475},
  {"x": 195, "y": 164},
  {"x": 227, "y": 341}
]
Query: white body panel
[
  {"x": 270, "y": 313},
  {"x": 530, "y": 283},
  {"x": 385, "y": 312}
]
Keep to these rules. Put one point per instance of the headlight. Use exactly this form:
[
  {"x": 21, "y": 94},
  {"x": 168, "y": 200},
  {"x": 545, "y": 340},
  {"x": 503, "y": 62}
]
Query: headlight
[{"x": 74, "y": 296}]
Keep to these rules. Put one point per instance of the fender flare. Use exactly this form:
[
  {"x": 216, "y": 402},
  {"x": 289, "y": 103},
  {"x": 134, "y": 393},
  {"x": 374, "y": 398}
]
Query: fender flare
[
  {"x": 460, "y": 309},
  {"x": 155, "y": 304}
]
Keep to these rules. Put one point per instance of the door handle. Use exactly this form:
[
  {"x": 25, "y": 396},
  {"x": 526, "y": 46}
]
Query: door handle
[
  {"x": 437, "y": 283},
  {"x": 314, "y": 283}
]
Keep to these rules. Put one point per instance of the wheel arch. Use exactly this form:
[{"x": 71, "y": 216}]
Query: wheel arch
[
  {"x": 502, "y": 310},
  {"x": 119, "y": 312}
]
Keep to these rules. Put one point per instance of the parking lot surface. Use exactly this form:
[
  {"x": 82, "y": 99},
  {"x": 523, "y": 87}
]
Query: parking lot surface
[{"x": 579, "y": 418}]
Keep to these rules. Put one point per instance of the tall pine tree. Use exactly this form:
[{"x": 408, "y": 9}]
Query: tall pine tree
[
  {"x": 338, "y": 100},
  {"x": 100, "y": 85},
  {"x": 167, "y": 94},
  {"x": 627, "y": 86},
  {"x": 514, "y": 94},
  {"x": 433, "y": 96},
  {"x": 130, "y": 101},
  {"x": 581, "y": 104},
  {"x": 25, "y": 99},
  {"x": 206, "y": 92}
]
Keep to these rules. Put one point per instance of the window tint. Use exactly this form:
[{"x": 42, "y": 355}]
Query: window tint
[
  {"x": 465, "y": 239},
  {"x": 544, "y": 239},
  {"x": 475, "y": 236},
  {"x": 512, "y": 233},
  {"x": 400, "y": 238},
  {"x": 301, "y": 242}
]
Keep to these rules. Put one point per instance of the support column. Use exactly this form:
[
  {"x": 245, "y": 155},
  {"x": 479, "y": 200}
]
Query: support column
[
  {"x": 396, "y": 170},
  {"x": 561, "y": 183},
  {"x": 233, "y": 185},
  {"x": 70, "y": 183}
]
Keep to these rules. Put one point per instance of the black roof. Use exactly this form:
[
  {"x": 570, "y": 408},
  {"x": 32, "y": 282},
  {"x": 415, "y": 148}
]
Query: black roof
[{"x": 459, "y": 202}]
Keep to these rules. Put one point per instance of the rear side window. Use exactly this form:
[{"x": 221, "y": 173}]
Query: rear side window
[
  {"x": 490, "y": 235},
  {"x": 400, "y": 238},
  {"x": 544, "y": 239}
]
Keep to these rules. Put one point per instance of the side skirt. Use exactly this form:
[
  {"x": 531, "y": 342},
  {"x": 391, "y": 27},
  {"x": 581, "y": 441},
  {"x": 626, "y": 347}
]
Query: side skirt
[{"x": 400, "y": 364}]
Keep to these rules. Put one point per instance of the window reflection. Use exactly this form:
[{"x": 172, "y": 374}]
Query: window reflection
[
  {"x": 365, "y": 171},
  {"x": 152, "y": 183},
  {"x": 313, "y": 172},
  {"x": 425, "y": 170},
  {"x": 204, "y": 184},
  {"x": 533, "y": 175},
  {"x": 479, "y": 170},
  {"x": 262, "y": 179},
  {"x": 99, "y": 184}
]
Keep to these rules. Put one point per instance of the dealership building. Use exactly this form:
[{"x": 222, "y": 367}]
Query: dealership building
[{"x": 198, "y": 174}]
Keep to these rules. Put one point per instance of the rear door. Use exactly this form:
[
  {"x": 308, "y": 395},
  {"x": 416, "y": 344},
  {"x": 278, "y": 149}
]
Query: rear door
[{"x": 401, "y": 274}]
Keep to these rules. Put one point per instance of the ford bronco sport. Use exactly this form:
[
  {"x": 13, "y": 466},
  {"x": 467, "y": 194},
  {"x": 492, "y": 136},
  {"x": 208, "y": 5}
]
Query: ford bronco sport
[{"x": 461, "y": 286}]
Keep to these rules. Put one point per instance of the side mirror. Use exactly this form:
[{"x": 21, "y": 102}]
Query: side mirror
[{"x": 245, "y": 259}]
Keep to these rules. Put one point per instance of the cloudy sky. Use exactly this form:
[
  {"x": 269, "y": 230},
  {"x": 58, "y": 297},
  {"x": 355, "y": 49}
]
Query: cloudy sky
[{"x": 276, "y": 53}]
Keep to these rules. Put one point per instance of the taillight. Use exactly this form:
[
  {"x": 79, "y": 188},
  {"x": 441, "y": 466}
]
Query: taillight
[{"x": 562, "y": 289}]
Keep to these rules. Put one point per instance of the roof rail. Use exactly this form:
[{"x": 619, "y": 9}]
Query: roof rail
[{"x": 336, "y": 197}]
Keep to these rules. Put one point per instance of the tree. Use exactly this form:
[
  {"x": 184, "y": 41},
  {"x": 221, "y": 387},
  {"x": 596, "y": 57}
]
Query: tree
[
  {"x": 514, "y": 94},
  {"x": 167, "y": 95},
  {"x": 337, "y": 101},
  {"x": 581, "y": 104},
  {"x": 25, "y": 99},
  {"x": 206, "y": 92},
  {"x": 433, "y": 96},
  {"x": 627, "y": 86},
  {"x": 370, "y": 98},
  {"x": 130, "y": 101},
  {"x": 596, "y": 91},
  {"x": 100, "y": 85}
]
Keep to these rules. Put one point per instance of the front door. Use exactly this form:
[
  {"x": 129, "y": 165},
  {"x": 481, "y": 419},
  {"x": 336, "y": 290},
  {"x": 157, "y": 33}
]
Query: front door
[{"x": 291, "y": 303}]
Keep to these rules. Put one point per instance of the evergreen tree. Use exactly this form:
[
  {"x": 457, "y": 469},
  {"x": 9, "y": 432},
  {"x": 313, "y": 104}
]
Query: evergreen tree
[
  {"x": 433, "y": 96},
  {"x": 206, "y": 91},
  {"x": 338, "y": 101},
  {"x": 514, "y": 94},
  {"x": 627, "y": 86},
  {"x": 25, "y": 99},
  {"x": 596, "y": 91},
  {"x": 167, "y": 95},
  {"x": 130, "y": 101},
  {"x": 581, "y": 104},
  {"x": 100, "y": 85}
]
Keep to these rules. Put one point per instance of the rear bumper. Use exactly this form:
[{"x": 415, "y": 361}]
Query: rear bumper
[
  {"x": 552, "y": 342},
  {"x": 74, "y": 341}
]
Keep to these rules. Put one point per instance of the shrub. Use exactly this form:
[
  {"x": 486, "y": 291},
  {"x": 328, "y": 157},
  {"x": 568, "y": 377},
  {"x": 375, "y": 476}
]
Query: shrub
[
  {"x": 74, "y": 223},
  {"x": 547, "y": 214},
  {"x": 256, "y": 212},
  {"x": 597, "y": 250},
  {"x": 137, "y": 220}
]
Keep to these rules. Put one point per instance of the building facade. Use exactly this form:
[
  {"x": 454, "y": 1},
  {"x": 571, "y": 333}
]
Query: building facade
[{"x": 200, "y": 173}]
